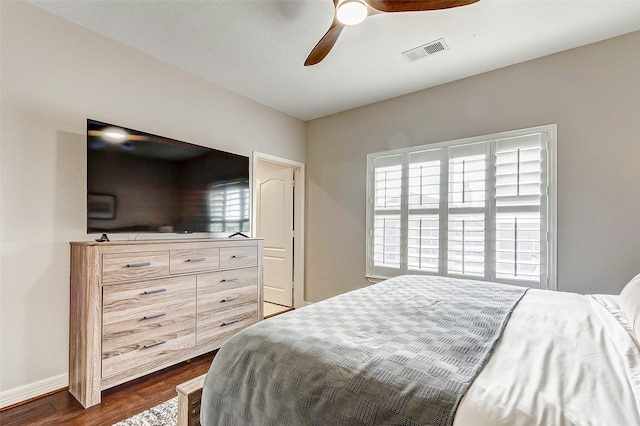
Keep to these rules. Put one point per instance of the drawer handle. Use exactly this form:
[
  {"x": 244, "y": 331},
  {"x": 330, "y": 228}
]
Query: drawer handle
[
  {"x": 154, "y": 316},
  {"x": 138, "y": 265},
  {"x": 154, "y": 344},
  {"x": 239, "y": 256},
  {"x": 228, "y": 280},
  {"x": 197, "y": 259},
  {"x": 229, "y": 299},
  {"x": 233, "y": 321},
  {"x": 160, "y": 290}
]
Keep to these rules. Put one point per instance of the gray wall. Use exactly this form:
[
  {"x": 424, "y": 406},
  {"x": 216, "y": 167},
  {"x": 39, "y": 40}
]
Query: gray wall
[
  {"x": 592, "y": 93},
  {"x": 55, "y": 75}
]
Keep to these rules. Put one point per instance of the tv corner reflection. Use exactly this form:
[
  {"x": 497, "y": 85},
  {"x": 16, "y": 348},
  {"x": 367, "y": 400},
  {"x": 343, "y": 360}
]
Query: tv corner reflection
[{"x": 139, "y": 182}]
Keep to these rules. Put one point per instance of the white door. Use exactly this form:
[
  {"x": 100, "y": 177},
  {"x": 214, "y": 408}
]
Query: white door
[{"x": 275, "y": 224}]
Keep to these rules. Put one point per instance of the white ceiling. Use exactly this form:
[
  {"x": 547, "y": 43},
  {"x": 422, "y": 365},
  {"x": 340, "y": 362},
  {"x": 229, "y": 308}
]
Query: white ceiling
[{"x": 257, "y": 48}]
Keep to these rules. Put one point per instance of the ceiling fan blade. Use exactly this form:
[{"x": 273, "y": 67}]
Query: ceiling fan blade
[
  {"x": 325, "y": 44},
  {"x": 416, "y": 5}
]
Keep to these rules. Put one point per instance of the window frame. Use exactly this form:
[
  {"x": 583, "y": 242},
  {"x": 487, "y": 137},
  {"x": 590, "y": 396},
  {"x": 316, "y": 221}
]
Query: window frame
[{"x": 549, "y": 131}]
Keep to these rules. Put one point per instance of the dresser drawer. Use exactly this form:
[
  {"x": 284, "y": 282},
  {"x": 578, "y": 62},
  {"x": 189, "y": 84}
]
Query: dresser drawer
[
  {"x": 238, "y": 257},
  {"x": 194, "y": 260},
  {"x": 134, "y": 266},
  {"x": 137, "y": 307},
  {"x": 215, "y": 327},
  {"x": 225, "y": 290},
  {"x": 227, "y": 303},
  {"x": 142, "y": 352}
]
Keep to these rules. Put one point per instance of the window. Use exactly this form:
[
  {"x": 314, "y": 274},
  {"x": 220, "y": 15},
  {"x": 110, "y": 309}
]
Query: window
[{"x": 482, "y": 208}]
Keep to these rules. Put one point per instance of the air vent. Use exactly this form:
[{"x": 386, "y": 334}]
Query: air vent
[{"x": 425, "y": 50}]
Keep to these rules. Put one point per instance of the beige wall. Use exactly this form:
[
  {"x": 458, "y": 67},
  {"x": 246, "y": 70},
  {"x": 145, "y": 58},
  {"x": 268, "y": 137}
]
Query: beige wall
[
  {"x": 592, "y": 93},
  {"x": 54, "y": 76}
]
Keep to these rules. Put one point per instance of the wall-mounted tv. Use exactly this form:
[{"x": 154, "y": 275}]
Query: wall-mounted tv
[{"x": 138, "y": 182}]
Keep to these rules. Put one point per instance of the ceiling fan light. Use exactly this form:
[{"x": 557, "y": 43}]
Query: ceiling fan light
[{"x": 351, "y": 12}]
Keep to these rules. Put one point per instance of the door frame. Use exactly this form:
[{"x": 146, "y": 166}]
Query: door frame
[{"x": 298, "y": 222}]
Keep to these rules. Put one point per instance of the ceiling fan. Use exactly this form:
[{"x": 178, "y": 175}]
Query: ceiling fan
[{"x": 352, "y": 12}]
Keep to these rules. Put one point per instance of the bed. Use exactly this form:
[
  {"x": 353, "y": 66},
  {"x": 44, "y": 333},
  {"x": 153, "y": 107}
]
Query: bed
[{"x": 418, "y": 350}]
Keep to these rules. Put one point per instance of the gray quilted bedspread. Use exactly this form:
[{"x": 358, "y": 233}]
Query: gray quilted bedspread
[{"x": 401, "y": 352}]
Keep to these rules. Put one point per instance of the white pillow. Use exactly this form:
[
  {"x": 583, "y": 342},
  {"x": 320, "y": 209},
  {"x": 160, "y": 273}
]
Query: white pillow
[{"x": 630, "y": 303}]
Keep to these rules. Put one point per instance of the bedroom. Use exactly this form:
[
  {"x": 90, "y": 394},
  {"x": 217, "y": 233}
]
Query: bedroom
[{"x": 49, "y": 87}]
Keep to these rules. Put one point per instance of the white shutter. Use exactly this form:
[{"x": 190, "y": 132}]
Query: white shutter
[
  {"x": 519, "y": 234},
  {"x": 466, "y": 210},
  {"x": 386, "y": 242},
  {"x": 387, "y": 230},
  {"x": 423, "y": 239}
]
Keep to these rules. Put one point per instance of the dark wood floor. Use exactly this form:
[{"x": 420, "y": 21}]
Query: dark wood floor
[{"x": 118, "y": 403}]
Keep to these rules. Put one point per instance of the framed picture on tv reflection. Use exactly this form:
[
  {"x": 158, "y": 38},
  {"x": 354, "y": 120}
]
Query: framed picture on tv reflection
[{"x": 101, "y": 206}]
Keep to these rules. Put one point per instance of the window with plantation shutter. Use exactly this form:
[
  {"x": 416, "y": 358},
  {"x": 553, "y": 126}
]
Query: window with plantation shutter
[
  {"x": 521, "y": 199},
  {"x": 423, "y": 248},
  {"x": 466, "y": 206},
  {"x": 386, "y": 204},
  {"x": 482, "y": 208}
]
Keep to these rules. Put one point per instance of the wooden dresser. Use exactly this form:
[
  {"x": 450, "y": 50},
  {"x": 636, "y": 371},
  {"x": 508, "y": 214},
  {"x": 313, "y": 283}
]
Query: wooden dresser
[{"x": 140, "y": 306}]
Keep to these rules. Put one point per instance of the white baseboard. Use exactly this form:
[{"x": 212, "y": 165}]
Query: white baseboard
[{"x": 33, "y": 390}]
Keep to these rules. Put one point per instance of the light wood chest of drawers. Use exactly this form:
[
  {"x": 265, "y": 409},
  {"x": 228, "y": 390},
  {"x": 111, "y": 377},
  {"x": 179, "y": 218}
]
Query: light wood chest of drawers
[{"x": 140, "y": 306}]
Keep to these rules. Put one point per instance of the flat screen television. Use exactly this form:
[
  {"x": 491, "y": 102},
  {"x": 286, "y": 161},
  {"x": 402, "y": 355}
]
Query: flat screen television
[{"x": 143, "y": 183}]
